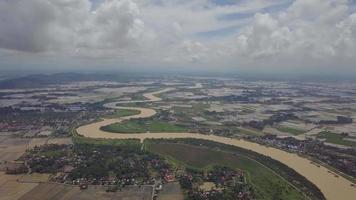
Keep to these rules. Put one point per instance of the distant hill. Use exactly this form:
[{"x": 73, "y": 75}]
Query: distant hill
[{"x": 43, "y": 80}]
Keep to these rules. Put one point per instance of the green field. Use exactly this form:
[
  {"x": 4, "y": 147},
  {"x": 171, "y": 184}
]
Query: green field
[
  {"x": 267, "y": 184},
  {"x": 123, "y": 113},
  {"x": 290, "y": 130},
  {"x": 197, "y": 109},
  {"x": 109, "y": 142},
  {"x": 143, "y": 126},
  {"x": 335, "y": 138}
]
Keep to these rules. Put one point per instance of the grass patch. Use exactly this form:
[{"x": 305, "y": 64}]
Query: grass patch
[
  {"x": 143, "y": 126},
  {"x": 267, "y": 184},
  {"x": 293, "y": 131},
  {"x": 77, "y": 140},
  {"x": 335, "y": 138}
]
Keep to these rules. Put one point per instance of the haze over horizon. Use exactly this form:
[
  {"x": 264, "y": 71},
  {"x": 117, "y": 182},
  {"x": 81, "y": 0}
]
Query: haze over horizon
[{"x": 311, "y": 37}]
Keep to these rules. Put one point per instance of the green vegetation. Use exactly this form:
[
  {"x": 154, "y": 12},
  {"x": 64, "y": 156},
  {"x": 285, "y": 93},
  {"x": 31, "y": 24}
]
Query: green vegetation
[
  {"x": 96, "y": 162},
  {"x": 197, "y": 109},
  {"x": 255, "y": 165},
  {"x": 293, "y": 131},
  {"x": 77, "y": 140},
  {"x": 143, "y": 126},
  {"x": 53, "y": 153},
  {"x": 101, "y": 161},
  {"x": 266, "y": 183},
  {"x": 229, "y": 184},
  {"x": 124, "y": 113},
  {"x": 336, "y": 138}
]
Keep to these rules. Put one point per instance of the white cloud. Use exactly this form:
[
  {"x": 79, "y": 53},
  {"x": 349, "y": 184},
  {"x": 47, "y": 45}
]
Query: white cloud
[
  {"x": 306, "y": 33},
  {"x": 50, "y": 25},
  {"x": 39, "y": 25},
  {"x": 317, "y": 32}
]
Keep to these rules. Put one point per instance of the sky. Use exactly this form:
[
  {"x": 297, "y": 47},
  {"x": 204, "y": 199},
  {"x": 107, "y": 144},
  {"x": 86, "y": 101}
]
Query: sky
[{"x": 257, "y": 36}]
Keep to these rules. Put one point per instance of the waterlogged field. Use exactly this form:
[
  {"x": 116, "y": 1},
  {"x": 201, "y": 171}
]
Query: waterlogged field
[
  {"x": 143, "y": 126},
  {"x": 268, "y": 184},
  {"x": 335, "y": 138}
]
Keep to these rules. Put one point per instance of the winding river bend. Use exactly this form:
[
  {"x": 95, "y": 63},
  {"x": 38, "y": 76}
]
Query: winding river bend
[{"x": 333, "y": 188}]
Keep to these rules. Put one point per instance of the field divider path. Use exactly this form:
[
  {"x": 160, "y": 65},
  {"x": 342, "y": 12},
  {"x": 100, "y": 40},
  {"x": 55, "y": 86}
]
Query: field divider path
[{"x": 333, "y": 188}]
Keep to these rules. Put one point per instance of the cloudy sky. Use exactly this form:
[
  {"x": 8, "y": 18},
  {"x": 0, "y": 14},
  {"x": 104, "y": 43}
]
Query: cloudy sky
[{"x": 249, "y": 35}]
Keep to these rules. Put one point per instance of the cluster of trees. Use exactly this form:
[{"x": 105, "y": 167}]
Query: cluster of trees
[
  {"x": 49, "y": 158},
  {"x": 339, "y": 120},
  {"x": 229, "y": 184},
  {"x": 339, "y": 158},
  {"x": 97, "y": 163},
  {"x": 343, "y": 159},
  {"x": 279, "y": 117}
]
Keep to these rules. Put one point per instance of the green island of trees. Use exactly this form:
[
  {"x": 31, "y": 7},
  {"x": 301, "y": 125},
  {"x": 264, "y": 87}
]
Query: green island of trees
[{"x": 143, "y": 126}]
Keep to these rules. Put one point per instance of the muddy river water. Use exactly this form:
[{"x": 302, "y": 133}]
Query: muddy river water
[{"x": 335, "y": 188}]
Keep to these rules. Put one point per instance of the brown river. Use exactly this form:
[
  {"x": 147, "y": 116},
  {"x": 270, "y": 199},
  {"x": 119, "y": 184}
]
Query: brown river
[{"x": 333, "y": 188}]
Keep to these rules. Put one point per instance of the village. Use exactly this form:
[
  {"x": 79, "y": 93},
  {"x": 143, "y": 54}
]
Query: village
[
  {"x": 343, "y": 159},
  {"x": 115, "y": 168}
]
